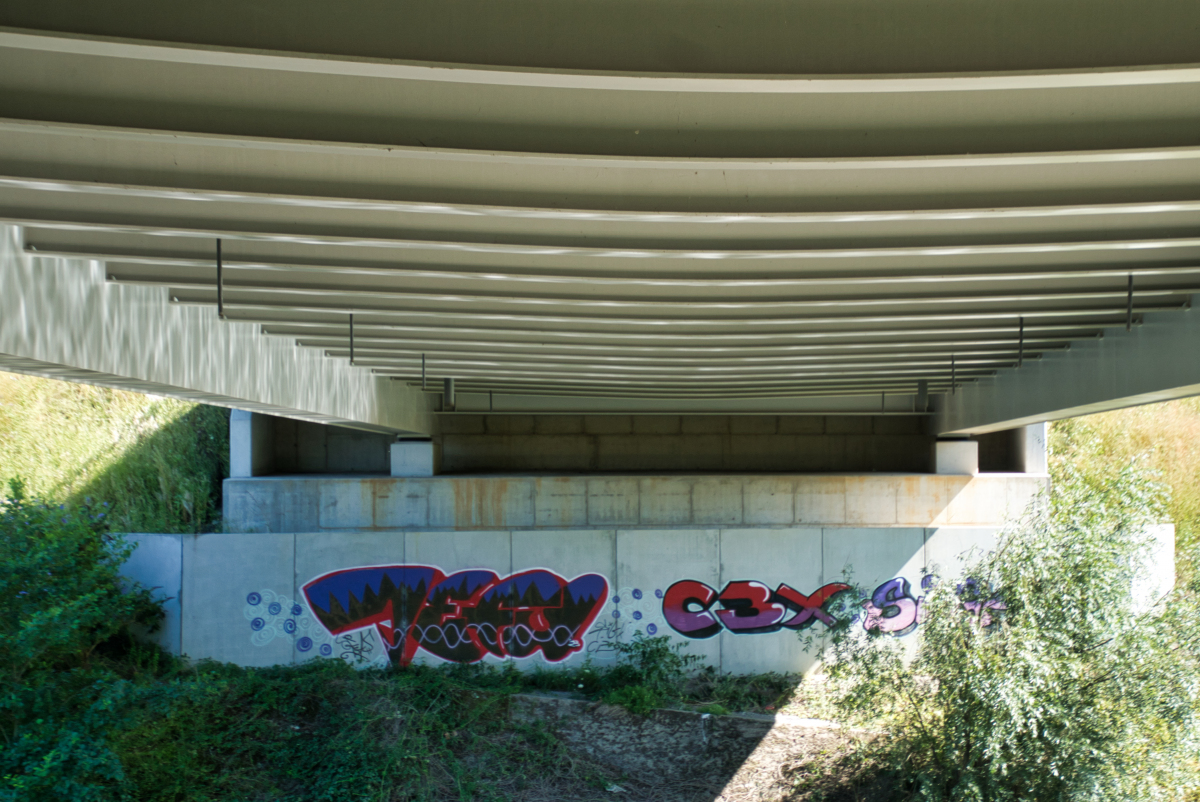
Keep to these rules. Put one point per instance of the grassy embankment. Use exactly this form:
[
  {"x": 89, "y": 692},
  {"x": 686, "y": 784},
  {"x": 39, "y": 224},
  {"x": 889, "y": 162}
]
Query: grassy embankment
[{"x": 157, "y": 462}]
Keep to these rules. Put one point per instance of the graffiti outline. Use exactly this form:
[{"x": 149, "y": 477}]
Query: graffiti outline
[
  {"x": 747, "y": 607},
  {"x": 462, "y": 616}
]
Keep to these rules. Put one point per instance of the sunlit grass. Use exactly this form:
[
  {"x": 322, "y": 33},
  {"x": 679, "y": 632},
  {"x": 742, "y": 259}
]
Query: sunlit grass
[
  {"x": 1166, "y": 436},
  {"x": 158, "y": 462}
]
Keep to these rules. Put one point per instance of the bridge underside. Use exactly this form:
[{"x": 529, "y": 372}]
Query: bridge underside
[
  {"x": 367, "y": 221},
  {"x": 677, "y": 293}
]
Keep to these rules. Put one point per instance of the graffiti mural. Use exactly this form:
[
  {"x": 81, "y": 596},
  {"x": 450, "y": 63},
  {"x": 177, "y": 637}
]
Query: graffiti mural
[
  {"x": 744, "y": 607},
  {"x": 461, "y": 617},
  {"x": 748, "y": 607},
  {"x": 376, "y": 615}
]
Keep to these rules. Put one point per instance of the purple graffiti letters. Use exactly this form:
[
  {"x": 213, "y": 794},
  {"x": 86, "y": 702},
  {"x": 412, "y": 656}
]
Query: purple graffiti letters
[
  {"x": 892, "y": 608},
  {"x": 981, "y": 609},
  {"x": 746, "y": 607},
  {"x": 461, "y": 617}
]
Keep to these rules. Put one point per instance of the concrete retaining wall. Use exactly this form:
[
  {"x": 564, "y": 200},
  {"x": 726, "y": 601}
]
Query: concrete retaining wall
[
  {"x": 241, "y": 597},
  {"x": 561, "y": 568}
]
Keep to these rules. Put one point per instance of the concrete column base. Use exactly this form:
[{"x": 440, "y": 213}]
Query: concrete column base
[
  {"x": 250, "y": 446},
  {"x": 956, "y": 457},
  {"x": 412, "y": 458},
  {"x": 1032, "y": 448}
]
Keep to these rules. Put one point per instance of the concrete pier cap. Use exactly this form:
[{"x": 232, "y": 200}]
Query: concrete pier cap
[
  {"x": 959, "y": 456},
  {"x": 412, "y": 457}
]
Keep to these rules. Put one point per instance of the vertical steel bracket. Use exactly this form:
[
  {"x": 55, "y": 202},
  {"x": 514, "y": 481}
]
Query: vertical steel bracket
[
  {"x": 220, "y": 285},
  {"x": 1129, "y": 306},
  {"x": 1021, "y": 343}
]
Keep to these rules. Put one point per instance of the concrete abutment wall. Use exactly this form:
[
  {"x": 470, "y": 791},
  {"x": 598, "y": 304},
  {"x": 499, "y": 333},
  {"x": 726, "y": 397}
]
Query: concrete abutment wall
[{"x": 557, "y": 568}]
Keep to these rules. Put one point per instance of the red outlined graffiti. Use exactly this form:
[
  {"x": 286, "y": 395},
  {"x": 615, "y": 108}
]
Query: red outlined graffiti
[
  {"x": 463, "y": 616},
  {"x": 744, "y": 607},
  {"x": 686, "y": 607},
  {"x": 808, "y": 608}
]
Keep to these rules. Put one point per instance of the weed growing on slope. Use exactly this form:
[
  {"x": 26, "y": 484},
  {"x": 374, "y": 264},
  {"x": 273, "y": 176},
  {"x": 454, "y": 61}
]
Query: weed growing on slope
[{"x": 654, "y": 672}]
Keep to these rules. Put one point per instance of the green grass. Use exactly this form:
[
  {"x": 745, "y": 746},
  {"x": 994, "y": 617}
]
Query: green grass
[
  {"x": 324, "y": 731},
  {"x": 157, "y": 462},
  {"x": 1166, "y": 436}
]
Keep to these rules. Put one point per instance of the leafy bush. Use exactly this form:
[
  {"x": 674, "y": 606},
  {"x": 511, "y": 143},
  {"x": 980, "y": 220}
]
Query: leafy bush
[
  {"x": 651, "y": 672},
  {"x": 1039, "y": 674},
  {"x": 60, "y": 600},
  {"x": 1165, "y": 435},
  {"x": 637, "y": 699}
]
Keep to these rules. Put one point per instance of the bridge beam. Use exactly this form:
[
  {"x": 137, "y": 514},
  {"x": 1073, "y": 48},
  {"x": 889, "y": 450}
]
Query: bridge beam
[
  {"x": 60, "y": 318},
  {"x": 1157, "y": 361}
]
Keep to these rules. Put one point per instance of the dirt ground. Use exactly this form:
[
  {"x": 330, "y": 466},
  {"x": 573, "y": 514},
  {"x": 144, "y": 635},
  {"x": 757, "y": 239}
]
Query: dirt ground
[{"x": 683, "y": 756}]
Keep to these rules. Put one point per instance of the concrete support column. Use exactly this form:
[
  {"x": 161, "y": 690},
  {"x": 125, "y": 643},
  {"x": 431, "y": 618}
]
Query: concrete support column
[
  {"x": 1031, "y": 448},
  {"x": 250, "y": 444},
  {"x": 957, "y": 457},
  {"x": 413, "y": 458}
]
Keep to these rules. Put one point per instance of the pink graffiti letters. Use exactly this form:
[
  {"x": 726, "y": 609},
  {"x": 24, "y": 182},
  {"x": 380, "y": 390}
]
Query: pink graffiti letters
[
  {"x": 746, "y": 607},
  {"x": 461, "y": 617},
  {"x": 981, "y": 608},
  {"x": 892, "y": 608}
]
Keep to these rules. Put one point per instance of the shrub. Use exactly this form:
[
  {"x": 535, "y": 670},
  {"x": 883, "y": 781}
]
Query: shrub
[
  {"x": 637, "y": 699},
  {"x": 651, "y": 672},
  {"x": 60, "y": 600},
  {"x": 1039, "y": 674}
]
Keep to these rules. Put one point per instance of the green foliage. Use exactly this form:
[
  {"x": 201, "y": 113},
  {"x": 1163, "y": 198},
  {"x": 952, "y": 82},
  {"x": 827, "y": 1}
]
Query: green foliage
[
  {"x": 754, "y": 692},
  {"x": 158, "y": 462},
  {"x": 637, "y": 699},
  {"x": 656, "y": 664},
  {"x": 654, "y": 672},
  {"x": 61, "y": 600},
  {"x": 714, "y": 708},
  {"x": 323, "y": 731},
  {"x": 1165, "y": 436},
  {"x": 1077, "y": 689},
  {"x": 60, "y": 595},
  {"x": 651, "y": 672}
]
